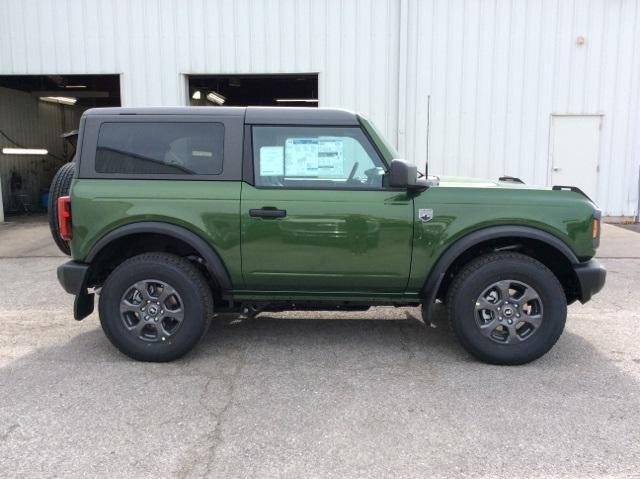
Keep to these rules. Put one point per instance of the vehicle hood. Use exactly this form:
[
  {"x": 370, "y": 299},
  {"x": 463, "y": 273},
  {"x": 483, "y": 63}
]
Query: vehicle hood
[{"x": 463, "y": 182}]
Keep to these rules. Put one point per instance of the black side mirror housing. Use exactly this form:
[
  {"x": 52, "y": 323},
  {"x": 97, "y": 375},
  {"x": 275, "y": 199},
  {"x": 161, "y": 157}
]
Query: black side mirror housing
[{"x": 404, "y": 175}]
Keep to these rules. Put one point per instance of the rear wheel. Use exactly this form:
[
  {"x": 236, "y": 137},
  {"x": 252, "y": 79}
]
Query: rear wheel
[
  {"x": 507, "y": 308},
  {"x": 155, "y": 307},
  {"x": 60, "y": 186}
]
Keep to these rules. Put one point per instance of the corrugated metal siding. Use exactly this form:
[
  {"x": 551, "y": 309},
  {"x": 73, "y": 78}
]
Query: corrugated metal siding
[
  {"x": 352, "y": 44},
  {"x": 32, "y": 124},
  {"x": 495, "y": 69}
]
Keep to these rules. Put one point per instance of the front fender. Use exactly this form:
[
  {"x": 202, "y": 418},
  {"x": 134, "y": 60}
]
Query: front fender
[{"x": 437, "y": 273}]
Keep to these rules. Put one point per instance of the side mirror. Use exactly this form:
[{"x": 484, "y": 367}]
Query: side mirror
[{"x": 402, "y": 174}]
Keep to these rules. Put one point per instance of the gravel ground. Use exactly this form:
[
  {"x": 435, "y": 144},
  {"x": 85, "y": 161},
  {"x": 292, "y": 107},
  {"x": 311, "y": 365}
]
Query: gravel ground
[{"x": 374, "y": 394}]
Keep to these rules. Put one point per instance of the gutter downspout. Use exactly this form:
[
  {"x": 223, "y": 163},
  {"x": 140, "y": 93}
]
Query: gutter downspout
[{"x": 402, "y": 76}]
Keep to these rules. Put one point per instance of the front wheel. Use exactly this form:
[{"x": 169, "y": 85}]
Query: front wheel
[
  {"x": 506, "y": 308},
  {"x": 155, "y": 307}
]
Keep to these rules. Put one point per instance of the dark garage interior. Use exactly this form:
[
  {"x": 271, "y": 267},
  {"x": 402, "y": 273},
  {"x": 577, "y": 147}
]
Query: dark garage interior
[
  {"x": 36, "y": 111},
  {"x": 254, "y": 90}
]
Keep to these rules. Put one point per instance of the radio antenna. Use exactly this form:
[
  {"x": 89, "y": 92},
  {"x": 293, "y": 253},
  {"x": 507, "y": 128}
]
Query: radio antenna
[{"x": 426, "y": 164}]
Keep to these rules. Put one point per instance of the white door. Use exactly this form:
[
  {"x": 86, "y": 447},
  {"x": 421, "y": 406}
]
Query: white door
[{"x": 575, "y": 143}]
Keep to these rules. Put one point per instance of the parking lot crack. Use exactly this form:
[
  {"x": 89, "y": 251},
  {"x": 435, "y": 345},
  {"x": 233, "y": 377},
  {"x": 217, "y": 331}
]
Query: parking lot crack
[
  {"x": 215, "y": 437},
  {"x": 205, "y": 461},
  {"x": 405, "y": 342},
  {"x": 5, "y": 435}
]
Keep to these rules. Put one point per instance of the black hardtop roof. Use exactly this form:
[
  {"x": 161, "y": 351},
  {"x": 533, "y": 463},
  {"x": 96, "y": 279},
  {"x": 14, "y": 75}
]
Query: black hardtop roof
[{"x": 257, "y": 115}]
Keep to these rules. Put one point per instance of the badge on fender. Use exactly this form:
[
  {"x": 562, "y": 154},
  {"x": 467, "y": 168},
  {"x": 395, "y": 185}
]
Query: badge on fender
[{"x": 425, "y": 214}]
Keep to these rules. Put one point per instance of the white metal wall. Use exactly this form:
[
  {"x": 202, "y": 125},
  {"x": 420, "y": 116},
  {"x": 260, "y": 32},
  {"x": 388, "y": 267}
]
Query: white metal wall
[
  {"x": 353, "y": 45},
  {"x": 495, "y": 69}
]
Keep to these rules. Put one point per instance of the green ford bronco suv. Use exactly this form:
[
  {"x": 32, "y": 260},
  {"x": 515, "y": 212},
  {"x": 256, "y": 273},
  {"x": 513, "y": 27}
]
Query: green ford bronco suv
[{"x": 171, "y": 214}]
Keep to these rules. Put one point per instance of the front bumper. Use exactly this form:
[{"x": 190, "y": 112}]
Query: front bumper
[
  {"x": 73, "y": 275},
  {"x": 591, "y": 277}
]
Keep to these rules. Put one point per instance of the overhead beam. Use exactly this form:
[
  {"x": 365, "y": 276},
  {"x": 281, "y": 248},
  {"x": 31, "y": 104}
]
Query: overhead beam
[{"x": 72, "y": 93}]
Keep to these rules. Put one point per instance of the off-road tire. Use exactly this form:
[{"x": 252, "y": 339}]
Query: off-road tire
[
  {"x": 60, "y": 186},
  {"x": 187, "y": 281},
  {"x": 479, "y": 274}
]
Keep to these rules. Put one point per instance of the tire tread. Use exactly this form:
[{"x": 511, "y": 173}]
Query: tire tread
[
  {"x": 60, "y": 186},
  {"x": 195, "y": 276},
  {"x": 470, "y": 269}
]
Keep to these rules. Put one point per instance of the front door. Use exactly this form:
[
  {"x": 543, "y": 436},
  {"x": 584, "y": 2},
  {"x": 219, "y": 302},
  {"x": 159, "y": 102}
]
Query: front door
[
  {"x": 318, "y": 217},
  {"x": 575, "y": 145}
]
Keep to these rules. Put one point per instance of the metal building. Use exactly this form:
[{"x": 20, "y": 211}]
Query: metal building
[{"x": 546, "y": 90}]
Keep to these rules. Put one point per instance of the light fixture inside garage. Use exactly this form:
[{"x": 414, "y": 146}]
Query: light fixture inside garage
[
  {"x": 64, "y": 100},
  {"x": 297, "y": 100},
  {"x": 196, "y": 95},
  {"x": 24, "y": 151},
  {"x": 216, "y": 98},
  {"x": 75, "y": 87}
]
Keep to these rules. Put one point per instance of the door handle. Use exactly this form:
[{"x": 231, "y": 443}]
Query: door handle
[
  {"x": 268, "y": 213},
  {"x": 557, "y": 169}
]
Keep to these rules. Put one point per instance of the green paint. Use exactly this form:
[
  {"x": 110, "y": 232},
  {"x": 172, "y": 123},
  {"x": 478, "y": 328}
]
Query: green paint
[
  {"x": 209, "y": 209},
  {"x": 332, "y": 245}
]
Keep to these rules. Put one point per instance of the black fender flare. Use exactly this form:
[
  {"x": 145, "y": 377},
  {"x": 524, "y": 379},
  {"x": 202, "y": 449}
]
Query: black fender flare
[
  {"x": 446, "y": 259},
  {"x": 214, "y": 263}
]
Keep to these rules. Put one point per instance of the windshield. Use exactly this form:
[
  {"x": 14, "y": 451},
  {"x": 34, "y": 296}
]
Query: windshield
[{"x": 387, "y": 150}]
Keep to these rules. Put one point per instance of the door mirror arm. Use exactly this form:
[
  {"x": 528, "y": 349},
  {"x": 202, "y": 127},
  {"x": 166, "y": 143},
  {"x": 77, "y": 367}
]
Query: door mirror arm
[{"x": 420, "y": 185}]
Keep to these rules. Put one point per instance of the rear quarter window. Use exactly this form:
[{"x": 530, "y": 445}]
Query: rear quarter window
[{"x": 160, "y": 148}]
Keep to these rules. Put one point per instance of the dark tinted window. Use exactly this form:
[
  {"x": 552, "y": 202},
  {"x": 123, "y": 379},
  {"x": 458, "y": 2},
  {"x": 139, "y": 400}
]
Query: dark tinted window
[{"x": 160, "y": 148}]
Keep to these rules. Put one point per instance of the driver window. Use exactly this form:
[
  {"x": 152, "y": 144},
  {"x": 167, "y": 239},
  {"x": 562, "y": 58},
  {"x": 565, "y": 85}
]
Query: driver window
[{"x": 315, "y": 157}]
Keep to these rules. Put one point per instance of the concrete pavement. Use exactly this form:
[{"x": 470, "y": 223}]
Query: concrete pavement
[{"x": 313, "y": 395}]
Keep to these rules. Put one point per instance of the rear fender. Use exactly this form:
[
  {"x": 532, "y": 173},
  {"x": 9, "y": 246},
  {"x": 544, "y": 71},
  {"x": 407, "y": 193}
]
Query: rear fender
[{"x": 213, "y": 263}]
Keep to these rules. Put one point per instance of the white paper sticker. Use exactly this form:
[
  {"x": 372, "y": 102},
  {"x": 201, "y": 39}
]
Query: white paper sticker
[
  {"x": 301, "y": 157},
  {"x": 207, "y": 154},
  {"x": 271, "y": 161},
  {"x": 330, "y": 157}
]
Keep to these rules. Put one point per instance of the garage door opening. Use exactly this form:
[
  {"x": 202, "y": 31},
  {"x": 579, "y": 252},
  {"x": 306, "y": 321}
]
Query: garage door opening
[
  {"x": 254, "y": 90},
  {"x": 37, "y": 113}
]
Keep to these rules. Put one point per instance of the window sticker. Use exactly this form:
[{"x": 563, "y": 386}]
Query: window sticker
[
  {"x": 271, "y": 161},
  {"x": 315, "y": 157},
  {"x": 330, "y": 157},
  {"x": 301, "y": 156}
]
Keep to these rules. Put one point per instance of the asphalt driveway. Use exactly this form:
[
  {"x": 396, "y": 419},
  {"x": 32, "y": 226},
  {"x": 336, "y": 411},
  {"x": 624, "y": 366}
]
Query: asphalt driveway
[{"x": 374, "y": 394}]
